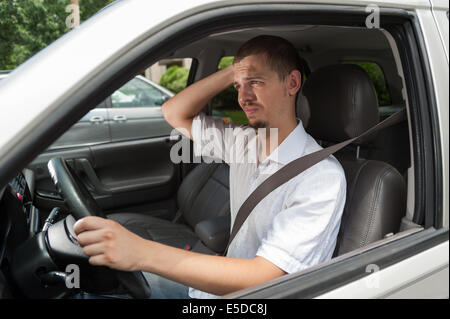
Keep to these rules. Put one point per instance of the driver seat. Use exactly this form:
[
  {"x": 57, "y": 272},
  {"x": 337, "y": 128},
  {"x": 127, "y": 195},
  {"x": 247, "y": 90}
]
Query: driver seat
[
  {"x": 203, "y": 194},
  {"x": 336, "y": 103}
]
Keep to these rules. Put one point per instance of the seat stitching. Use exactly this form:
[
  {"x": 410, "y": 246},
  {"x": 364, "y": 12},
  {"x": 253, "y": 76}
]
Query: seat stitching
[
  {"x": 374, "y": 201},
  {"x": 355, "y": 180},
  {"x": 220, "y": 182},
  {"x": 350, "y": 200},
  {"x": 353, "y": 109}
]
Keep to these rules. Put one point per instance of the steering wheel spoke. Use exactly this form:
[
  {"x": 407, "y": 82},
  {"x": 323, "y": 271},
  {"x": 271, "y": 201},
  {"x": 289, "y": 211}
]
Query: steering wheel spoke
[{"x": 82, "y": 204}]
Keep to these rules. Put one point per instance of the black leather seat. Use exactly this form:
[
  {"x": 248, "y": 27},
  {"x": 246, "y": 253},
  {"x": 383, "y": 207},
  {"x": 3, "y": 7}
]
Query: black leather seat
[
  {"x": 203, "y": 194},
  {"x": 337, "y": 103}
]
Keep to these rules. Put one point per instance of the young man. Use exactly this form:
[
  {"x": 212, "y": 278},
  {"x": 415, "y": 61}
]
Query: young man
[{"x": 293, "y": 228}]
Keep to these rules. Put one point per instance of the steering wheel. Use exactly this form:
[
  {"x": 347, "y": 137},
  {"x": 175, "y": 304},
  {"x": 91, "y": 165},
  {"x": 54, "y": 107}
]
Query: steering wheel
[{"x": 81, "y": 204}]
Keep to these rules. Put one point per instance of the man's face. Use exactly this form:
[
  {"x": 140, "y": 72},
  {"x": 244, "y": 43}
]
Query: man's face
[{"x": 261, "y": 93}]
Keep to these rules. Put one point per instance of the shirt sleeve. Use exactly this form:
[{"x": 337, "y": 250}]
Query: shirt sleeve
[
  {"x": 212, "y": 137},
  {"x": 304, "y": 233}
]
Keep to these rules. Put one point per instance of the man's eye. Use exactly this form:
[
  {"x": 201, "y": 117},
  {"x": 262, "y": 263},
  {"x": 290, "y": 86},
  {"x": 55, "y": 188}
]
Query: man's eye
[{"x": 255, "y": 82}]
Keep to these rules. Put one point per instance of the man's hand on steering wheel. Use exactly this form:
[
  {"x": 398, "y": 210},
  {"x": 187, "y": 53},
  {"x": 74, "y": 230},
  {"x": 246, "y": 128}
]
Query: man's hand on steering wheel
[{"x": 107, "y": 243}]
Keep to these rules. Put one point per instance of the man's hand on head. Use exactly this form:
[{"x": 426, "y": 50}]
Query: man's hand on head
[{"x": 108, "y": 243}]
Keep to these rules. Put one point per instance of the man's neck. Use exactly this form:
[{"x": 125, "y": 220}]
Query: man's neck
[{"x": 272, "y": 138}]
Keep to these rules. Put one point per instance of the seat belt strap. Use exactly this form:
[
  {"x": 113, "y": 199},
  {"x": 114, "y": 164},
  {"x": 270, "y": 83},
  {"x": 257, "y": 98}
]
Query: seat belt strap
[{"x": 296, "y": 167}]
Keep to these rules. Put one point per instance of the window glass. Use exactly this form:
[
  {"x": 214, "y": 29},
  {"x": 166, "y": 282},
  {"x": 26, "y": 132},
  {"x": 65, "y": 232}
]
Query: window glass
[
  {"x": 175, "y": 78},
  {"x": 133, "y": 111},
  {"x": 137, "y": 93},
  {"x": 172, "y": 74},
  {"x": 136, "y": 107},
  {"x": 377, "y": 77},
  {"x": 101, "y": 105},
  {"x": 225, "y": 104}
]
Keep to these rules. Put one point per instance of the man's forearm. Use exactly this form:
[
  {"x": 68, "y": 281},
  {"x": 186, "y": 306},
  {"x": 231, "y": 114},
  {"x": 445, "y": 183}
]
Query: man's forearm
[
  {"x": 214, "y": 274},
  {"x": 107, "y": 243},
  {"x": 192, "y": 99}
]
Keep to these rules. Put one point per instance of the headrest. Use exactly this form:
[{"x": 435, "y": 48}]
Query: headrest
[{"x": 338, "y": 102}]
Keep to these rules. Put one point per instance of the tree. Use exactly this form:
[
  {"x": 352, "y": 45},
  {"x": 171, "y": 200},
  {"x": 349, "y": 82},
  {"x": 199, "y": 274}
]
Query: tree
[
  {"x": 8, "y": 29},
  {"x": 27, "y": 26},
  {"x": 175, "y": 78}
]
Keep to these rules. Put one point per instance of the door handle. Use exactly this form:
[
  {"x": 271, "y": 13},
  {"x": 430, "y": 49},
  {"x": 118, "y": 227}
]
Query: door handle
[
  {"x": 119, "y": 118},
  {"x": 97, "y": 119},
  {"x": 174, "y": 138}
]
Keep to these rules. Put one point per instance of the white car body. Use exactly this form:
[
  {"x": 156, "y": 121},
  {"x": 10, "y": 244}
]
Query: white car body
[{"x": 97, "y": 46}]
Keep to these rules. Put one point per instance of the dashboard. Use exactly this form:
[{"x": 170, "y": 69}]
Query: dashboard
[
  {"x": 34, "y": 259},
  {"x": 19, "y": 219},
  {"x": 35, "y": 253},
  {"x": 20, "y": 189}
]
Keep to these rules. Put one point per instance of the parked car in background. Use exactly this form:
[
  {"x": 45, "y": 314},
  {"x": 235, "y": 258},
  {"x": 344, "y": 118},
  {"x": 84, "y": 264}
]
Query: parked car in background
[
  {"x": 131, "y": 112},
  {"x": 3, "y": 74}
]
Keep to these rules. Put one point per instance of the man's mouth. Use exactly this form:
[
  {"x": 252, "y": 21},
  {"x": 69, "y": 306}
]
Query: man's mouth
[{"x": 250, "y": 110}]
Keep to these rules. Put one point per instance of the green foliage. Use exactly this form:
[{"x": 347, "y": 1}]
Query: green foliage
[
  {"x": 237, "y": 117},
  {"x": 27, "y": 26},
  {"x": 225, "y": 61},
  {"x": 8, "y": 27},
  {"x": 175, "y": 78},
  {"x": 228, "y": 98},
  {"x": 90, "y": 7}
]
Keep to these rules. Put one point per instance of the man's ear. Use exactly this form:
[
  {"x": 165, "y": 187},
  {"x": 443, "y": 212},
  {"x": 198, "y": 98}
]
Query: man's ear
[{"x": 294, "y": 82}]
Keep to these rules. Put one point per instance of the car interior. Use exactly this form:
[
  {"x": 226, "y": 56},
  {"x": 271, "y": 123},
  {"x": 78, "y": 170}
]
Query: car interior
[{"x": 186, "y": 205}]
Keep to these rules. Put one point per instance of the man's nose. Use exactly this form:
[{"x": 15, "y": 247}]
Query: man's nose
[{"x": 246, "y": 95}]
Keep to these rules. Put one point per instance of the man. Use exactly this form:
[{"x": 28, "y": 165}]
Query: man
[{"x": 293, "y": 228}]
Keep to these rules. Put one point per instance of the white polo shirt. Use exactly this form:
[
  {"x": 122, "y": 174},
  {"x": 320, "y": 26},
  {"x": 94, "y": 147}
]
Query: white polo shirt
[{"x": 296, "y": 225}]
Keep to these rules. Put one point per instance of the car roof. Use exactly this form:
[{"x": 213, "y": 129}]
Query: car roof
[{"x": 118, "y": 28}]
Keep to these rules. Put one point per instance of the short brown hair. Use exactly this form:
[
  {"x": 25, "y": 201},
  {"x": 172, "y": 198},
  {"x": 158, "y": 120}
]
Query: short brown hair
[{"x": 281, "y": 55}]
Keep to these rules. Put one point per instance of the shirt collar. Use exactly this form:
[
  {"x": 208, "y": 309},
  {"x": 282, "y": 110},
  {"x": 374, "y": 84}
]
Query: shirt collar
[{"x": 291, "y": 148}]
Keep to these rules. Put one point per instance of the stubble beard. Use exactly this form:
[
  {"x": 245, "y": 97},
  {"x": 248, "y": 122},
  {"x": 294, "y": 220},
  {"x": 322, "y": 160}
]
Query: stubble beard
[{"x": 258, "y": 124}]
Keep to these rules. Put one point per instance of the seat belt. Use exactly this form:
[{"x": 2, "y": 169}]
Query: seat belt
[{"x": 296, "y": 167}]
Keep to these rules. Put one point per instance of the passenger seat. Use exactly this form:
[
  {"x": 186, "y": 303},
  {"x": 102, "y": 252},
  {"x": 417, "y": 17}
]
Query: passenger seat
[
  {"x": 203, "y": 194},
  {"x": 336, "y": 103}
]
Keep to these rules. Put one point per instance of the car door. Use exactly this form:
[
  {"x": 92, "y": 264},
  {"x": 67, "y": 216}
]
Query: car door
[
  {"x": 136, "y": 111},
  {"x": 129, "y": 170},
  {"x": 93, "y": 128}
]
